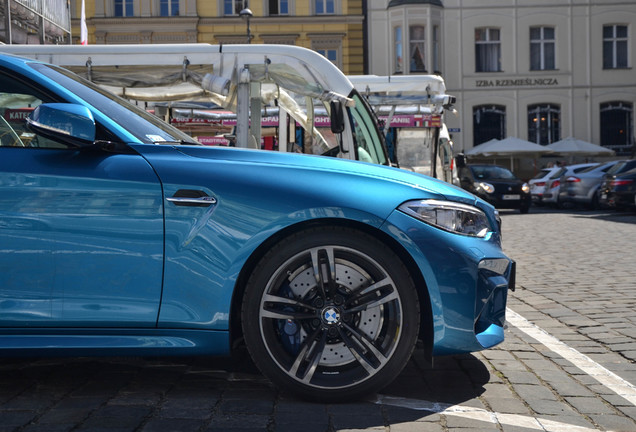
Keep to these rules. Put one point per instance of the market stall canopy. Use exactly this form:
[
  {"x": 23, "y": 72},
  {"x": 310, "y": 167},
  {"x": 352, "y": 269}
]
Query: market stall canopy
[
  {"x": 511, "y": 146},
  {"x": 575, "y": 147}
]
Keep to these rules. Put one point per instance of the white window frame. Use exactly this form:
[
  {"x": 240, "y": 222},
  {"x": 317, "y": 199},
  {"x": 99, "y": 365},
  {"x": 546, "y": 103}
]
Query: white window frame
[
  {"x": 543, "y": 43},
  {"x": 268, "y": 12},
  {"x": 415, "y": 44},
  {"x": 324, "y": 44},
  {"x": 320, "y": 7},
  {"x": 237, "y": 6},
  {"x": 619, "y": 46},
  {"x": 436, "y": 49},
  {"x": 398, "y": 46},
  {"x": 491, "y": 44},
  {"x": 170, "y": 3},
  {"x": 124, "y": 15}
]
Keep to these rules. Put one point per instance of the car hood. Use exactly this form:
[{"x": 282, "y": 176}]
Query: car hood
[{"x": 344, "y": 168}]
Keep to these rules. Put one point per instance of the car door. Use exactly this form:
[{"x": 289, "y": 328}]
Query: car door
[{"x": 81, "y": 231}]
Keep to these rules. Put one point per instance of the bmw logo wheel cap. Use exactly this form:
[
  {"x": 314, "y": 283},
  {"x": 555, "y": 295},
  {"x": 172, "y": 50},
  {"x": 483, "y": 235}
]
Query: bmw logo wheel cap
[{"x": 331, "y": 315}]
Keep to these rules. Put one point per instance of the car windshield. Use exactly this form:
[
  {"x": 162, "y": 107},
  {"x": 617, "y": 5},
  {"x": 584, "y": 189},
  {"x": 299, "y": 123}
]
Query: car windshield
[
  {"x": 492, "y": 173},
  {"x": 559, "y": 173},
  {"x": 588, "y": 169},
  {"x": 542, "y": 173},
  {"x": 622, "y": 166},
  {"x": 144, "y": 126}
]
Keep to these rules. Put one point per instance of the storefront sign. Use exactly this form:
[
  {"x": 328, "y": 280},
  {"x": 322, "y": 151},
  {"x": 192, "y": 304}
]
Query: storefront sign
[{"x": 517, "y": 82}]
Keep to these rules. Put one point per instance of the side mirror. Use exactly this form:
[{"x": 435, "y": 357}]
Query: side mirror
[
  {"x": 66, "y": 123},
  {"x": 460, "y": 160},
  {"x": 337, "y": 117}
]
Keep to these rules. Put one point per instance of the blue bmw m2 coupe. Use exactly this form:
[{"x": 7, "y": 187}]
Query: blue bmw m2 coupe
[{"x": 120, "y": 235}]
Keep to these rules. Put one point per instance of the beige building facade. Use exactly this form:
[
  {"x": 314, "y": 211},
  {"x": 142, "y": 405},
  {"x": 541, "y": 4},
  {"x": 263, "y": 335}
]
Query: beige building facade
[
  {"x": 540, "y": 70},
  {"x": 334, "y": 28}
]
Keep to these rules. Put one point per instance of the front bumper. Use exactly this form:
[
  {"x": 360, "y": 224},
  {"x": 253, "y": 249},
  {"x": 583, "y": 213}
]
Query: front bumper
[
  {"x": 525, "y": 200},
  {"x": 466, "y": 282}
]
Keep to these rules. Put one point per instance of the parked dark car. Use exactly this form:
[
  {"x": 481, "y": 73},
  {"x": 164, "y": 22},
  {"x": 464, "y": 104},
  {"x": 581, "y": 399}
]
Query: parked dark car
[
  {"x": 582, "y": 188},
  {"x": 612, "y": 190},
  {"x": 497, "y": 185},
  {"x": 619, "y": 191}
]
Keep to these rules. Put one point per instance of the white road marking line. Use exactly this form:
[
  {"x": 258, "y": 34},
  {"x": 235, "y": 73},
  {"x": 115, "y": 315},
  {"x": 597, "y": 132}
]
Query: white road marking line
[
  {"x": 479, "y": 414},
  {"x": 606, "y": 377}
]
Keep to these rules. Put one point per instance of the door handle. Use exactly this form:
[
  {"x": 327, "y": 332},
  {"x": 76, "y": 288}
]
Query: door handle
[{"x": 191, "y": 198}]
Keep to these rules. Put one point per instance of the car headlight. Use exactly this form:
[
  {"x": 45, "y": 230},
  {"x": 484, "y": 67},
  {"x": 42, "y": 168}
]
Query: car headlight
[
  {"x": 525, "y": 188},
  {"x": 486, "y": 187},
  {"x": 449, "y": 216}
]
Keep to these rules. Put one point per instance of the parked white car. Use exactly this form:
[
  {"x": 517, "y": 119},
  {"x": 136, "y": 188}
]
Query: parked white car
[{"x": 538, "y": 182}]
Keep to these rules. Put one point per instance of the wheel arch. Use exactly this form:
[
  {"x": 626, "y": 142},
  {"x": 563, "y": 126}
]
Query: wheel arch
[{"x": 426, "y": 315}]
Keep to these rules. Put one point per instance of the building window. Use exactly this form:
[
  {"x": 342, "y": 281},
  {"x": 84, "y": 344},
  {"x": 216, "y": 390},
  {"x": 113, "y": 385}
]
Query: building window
[
  {"x": 330, "y": 46},
  {"x": 487, "y": 50},
  {"x": 123, "y": 8},
  {"x": 169, "y": 7},
  {"x": 397, "y": 36},
  {"x": 417, "y": 43},
  {"x": 331, "y": 54},
  {"x": 325, "y": 7},
  {"x": 617, "y": 127},
  {"x": 278, "y": 7},
  {"x": 614, "y": 46},
  {"x": 544, "y": 123},
  {"x": 436, "y": 51},
  {"x": 489, "y": 121},
  {"x": 233, "y": 7},
  {"x": 542, "y": 48}
]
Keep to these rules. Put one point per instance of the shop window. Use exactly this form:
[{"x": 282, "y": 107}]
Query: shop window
[
  {"x": 544, "y": 123},
  {"x": 617, "y": 127},
  {"x": 489, "y": 121}
]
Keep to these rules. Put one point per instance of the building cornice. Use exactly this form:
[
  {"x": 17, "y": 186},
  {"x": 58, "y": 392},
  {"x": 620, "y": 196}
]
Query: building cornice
[
  {"x": 286, "y": 20},
  {"x": 145, "y": 23},
  {"x": 395, "y": 3}
]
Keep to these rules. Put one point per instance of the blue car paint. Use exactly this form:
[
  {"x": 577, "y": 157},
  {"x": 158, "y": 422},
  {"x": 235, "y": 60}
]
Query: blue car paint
[
  {"x": 99, "y": 222},
  {"x": 206, "y": 248}
]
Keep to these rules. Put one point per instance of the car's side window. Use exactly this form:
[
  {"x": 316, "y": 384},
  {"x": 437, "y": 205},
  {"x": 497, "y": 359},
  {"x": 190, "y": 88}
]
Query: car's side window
[
  {"x": 17, "y": 101},
  {"x": 8, "y": 136}
]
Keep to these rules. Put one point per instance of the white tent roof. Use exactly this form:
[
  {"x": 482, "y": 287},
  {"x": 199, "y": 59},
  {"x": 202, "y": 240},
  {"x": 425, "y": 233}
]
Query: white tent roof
[
  {"x": 511, "y": 146},
  {"x": 572, "y": 146}
]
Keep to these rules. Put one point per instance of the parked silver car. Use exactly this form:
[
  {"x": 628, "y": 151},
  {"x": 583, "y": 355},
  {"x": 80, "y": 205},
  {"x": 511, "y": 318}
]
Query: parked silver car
[
  {"x": 582, "y": 188},
  {"x": 553, "y": 184}
]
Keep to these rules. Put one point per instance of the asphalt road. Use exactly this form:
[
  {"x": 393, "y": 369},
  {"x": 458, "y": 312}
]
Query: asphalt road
[{"x": 567, "y": 363}]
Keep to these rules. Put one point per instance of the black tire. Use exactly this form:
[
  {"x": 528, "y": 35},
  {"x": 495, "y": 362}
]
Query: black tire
[
  {"x": 594, "y": 204},
  {"x": 524, "y": 209},
  {"x": 330, "y": 338}
]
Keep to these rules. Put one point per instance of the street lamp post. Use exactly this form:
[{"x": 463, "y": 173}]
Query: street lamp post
[{"x": 247, "y": 15}]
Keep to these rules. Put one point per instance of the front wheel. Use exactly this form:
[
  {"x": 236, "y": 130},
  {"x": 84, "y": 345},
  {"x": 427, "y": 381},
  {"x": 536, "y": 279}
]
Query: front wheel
[{"x": 330, "y": 314}]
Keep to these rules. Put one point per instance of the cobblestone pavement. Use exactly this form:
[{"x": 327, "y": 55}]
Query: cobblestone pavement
[{"x": 566, "y": 365}]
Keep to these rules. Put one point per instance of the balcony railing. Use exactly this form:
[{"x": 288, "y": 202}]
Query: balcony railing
[{"x": 55, "y": 12}]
